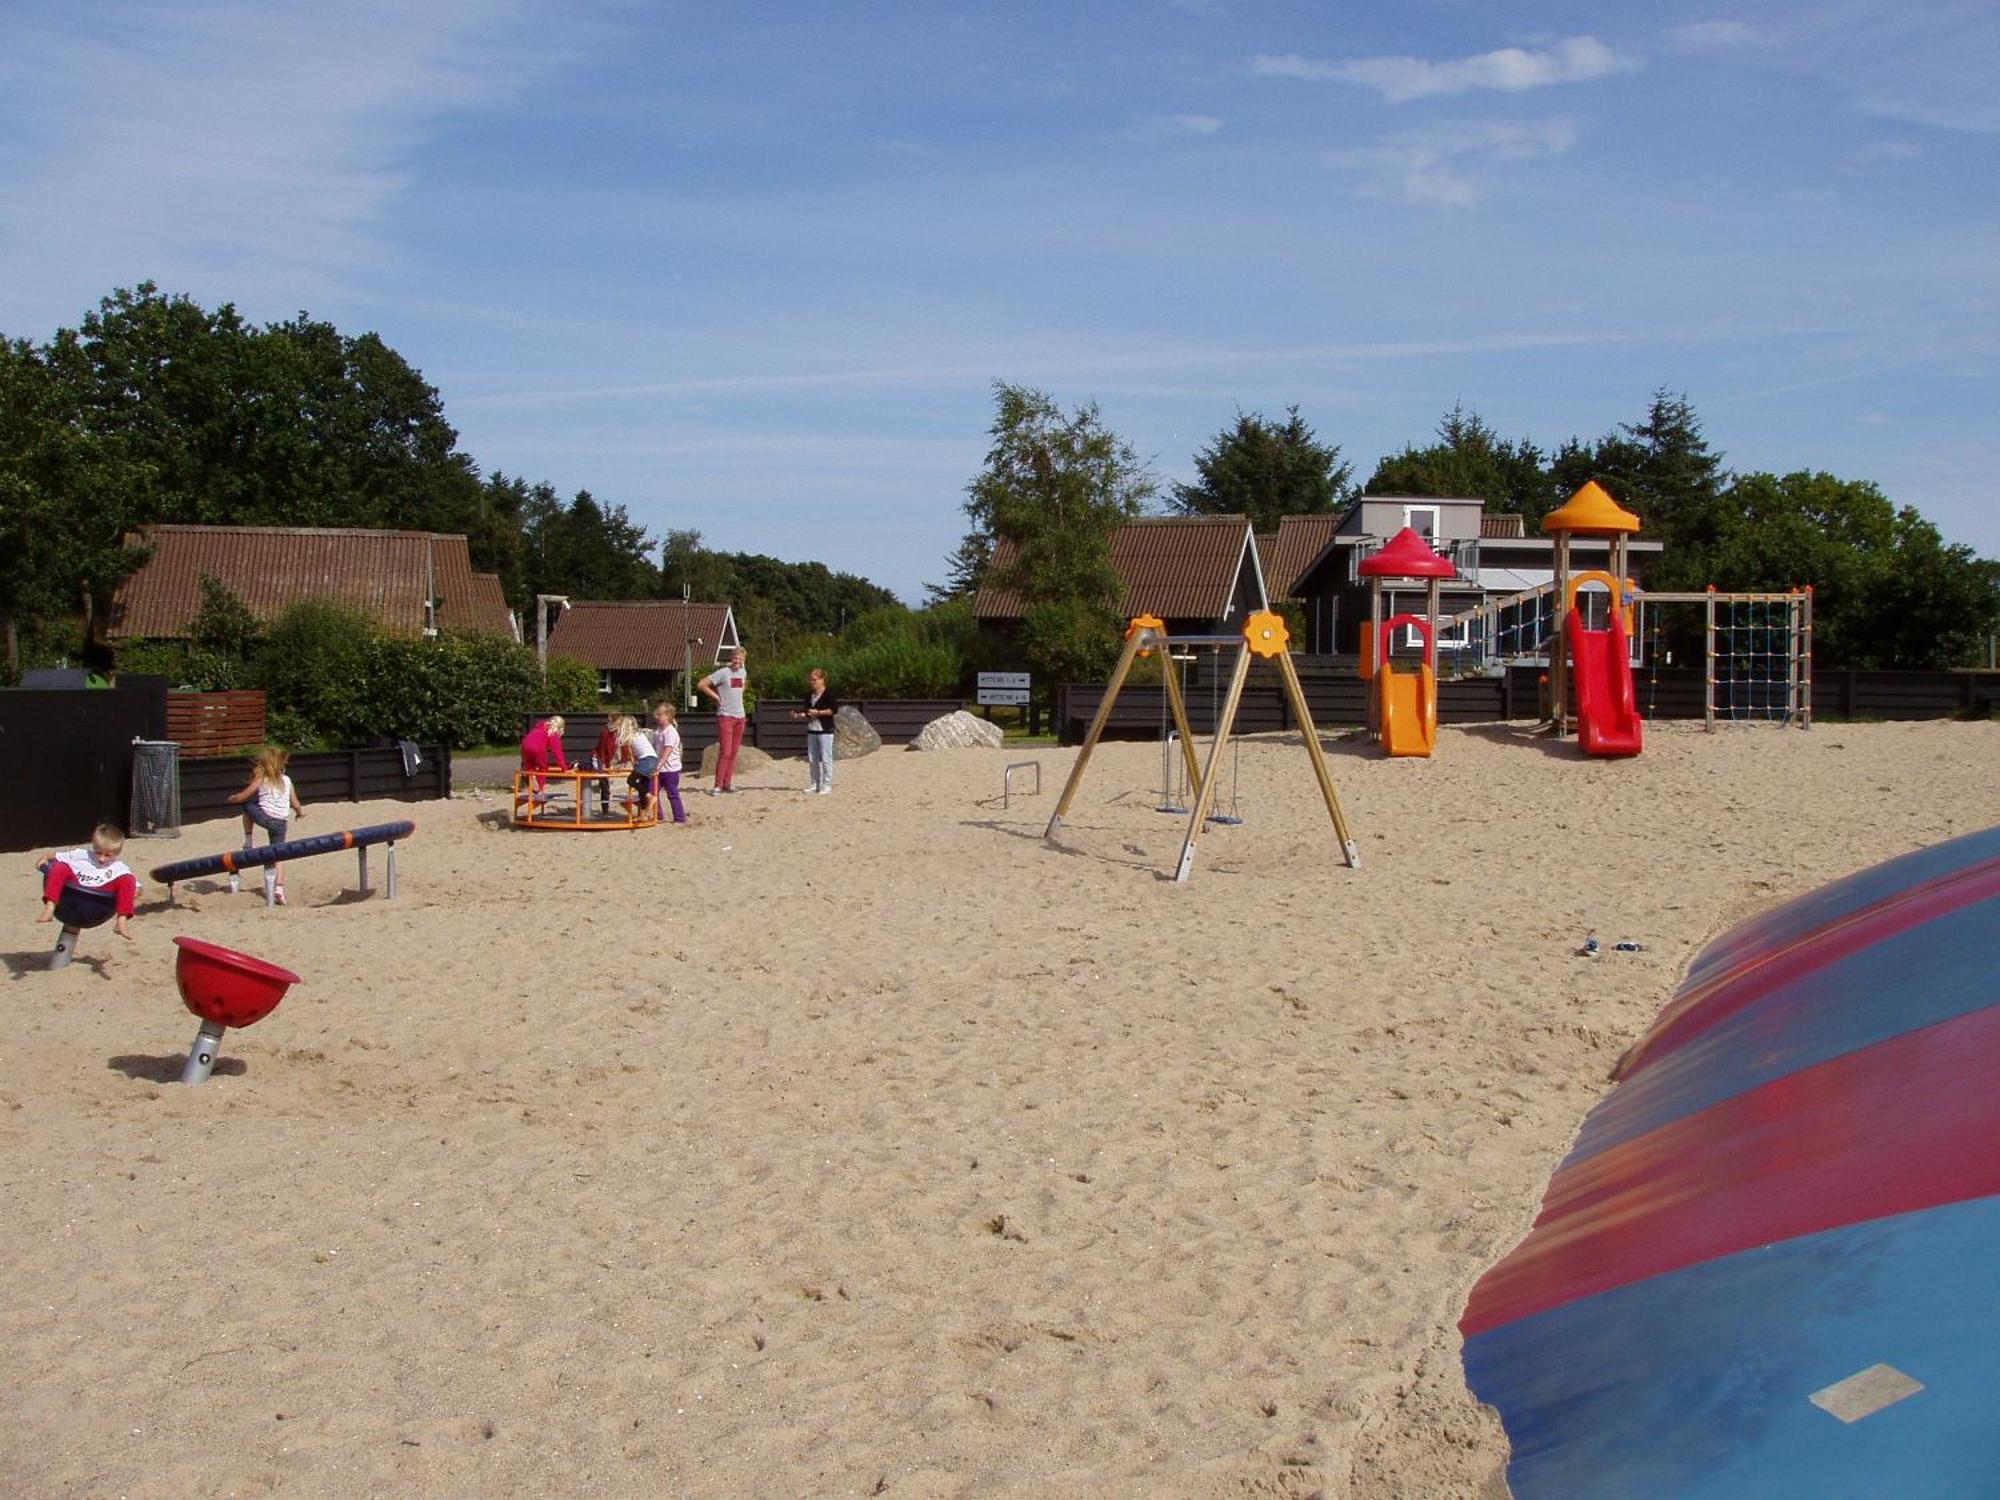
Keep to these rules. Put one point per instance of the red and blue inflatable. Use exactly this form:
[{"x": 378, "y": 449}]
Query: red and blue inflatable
[{"x": 1771, "y": 1265}]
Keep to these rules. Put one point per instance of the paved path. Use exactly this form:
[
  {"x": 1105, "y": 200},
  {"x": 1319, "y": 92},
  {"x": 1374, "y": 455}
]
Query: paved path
[{"x": 483, "y": 770}]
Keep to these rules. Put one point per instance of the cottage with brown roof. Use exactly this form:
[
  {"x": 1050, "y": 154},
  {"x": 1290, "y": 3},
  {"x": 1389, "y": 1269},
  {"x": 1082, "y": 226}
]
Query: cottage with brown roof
[
  {"x": 409, "y": 582},
  {"x": 1287, "y": 551},
  {"x": 638, "y": 646},
  {"x": 1200, "y": 574}
]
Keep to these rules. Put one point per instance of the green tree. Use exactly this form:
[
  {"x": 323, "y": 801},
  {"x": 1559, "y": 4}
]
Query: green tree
[
  {"x": 583, "y": 549},
  {"x": 690, "y": 570},
  {"x": 67, "y": 499},
  {"x": 1888, "y": 591},
  {"x": 965, "y": 568},
  {"x": 1265, "y": 470},
  {"x": 1055, "y": 486},
  {"x": 290, "y": 424},
  {"x": 1470, "y": 459},
  {"x": 1663, "y": 470}
]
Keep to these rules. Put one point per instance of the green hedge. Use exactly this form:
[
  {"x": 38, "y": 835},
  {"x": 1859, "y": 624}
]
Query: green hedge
[
  {"x": 331, "y": 677},
  {"x": 887, "y": 653}
]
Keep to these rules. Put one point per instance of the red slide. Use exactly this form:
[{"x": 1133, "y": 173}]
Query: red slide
[{"x": 1607, "y": 716}]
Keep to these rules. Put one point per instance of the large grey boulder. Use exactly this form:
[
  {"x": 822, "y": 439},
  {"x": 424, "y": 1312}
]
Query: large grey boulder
[
  {"x": 853, "y": 736},
  {"x": 959, "y": 731},
  {"x": 748, "y": 758}
]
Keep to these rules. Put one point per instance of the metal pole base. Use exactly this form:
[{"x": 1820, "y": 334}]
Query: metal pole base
[
  {"x": 201, "y": 1059},
  {"x": 65, "y": 947}
]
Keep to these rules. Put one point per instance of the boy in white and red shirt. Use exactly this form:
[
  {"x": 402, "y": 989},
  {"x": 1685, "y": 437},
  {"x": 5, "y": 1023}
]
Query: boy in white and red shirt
[{"x": 95, "y": 867}]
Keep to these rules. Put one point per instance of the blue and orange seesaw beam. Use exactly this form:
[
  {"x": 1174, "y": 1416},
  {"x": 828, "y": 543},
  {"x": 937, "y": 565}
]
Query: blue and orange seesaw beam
[{"x": 234, "y": 861}]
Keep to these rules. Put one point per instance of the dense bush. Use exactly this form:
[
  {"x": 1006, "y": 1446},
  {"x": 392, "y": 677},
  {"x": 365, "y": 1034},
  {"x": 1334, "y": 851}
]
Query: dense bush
[
  {"x": 570, "y": 687},
  {"x": 318, "y": 659},
  {"x": 331, "y": 675},
  {"x": 887, "y": 653}
]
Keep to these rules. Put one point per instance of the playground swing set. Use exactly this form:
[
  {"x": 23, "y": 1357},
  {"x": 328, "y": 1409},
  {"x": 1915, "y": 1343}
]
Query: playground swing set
[
  {"x": 1264, "y": 636},
  {"x": 1175, "y": 785}
]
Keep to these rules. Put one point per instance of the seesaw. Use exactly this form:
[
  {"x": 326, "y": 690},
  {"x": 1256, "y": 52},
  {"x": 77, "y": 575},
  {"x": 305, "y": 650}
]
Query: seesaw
[{"x": 234, "y": 860}]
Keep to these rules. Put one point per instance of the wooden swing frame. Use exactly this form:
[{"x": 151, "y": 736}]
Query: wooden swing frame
[{"x": 1264, "y": 634}]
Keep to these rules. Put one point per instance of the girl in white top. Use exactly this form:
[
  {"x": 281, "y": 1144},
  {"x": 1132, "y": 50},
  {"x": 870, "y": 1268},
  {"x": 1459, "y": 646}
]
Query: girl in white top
[
  {"x": 271, "y": 802},
  {"x": 635, "y": 742},
  {"x": 667, "y": 735}
]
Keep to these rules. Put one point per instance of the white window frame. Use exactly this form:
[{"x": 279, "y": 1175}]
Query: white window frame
[
  {"x": 1435, "y": 512},
  {"x": 604, "y": 684}
]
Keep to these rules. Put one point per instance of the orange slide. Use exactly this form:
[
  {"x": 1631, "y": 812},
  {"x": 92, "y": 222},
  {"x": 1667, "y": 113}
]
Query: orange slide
[
  {"x": 1408, "y": 705},
  {"x": 1607, "y": 715}
]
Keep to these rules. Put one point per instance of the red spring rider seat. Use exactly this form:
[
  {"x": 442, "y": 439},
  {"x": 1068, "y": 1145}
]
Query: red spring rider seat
[{"x": 225, "y": 988}]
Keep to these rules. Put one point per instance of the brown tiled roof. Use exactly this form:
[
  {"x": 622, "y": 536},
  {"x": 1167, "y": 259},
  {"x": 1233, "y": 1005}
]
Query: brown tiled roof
[
  {"x": 1499, "y": 525},
  {"x": 1298, "y": 540},
  {"x": 386, "y": 574},
  {"x": 1176, "y": 567},
  {"x": 644, "y": 635}
]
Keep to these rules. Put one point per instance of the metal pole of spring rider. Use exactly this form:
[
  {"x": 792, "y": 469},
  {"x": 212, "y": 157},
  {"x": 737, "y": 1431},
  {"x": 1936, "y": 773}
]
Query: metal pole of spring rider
[
  {"x": 202, "y": 1055},
  {"x": 65, "y": 947}
]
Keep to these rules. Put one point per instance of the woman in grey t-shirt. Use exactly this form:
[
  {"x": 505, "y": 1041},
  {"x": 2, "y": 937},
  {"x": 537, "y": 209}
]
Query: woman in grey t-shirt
[{"x": 724, "y": 687}]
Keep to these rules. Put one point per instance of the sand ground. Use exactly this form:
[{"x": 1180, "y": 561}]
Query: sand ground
[{"x": 867, "y": 1144}]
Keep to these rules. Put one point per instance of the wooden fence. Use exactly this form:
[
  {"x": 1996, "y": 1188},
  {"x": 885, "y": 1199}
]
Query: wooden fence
[
  {"x": 772, "y": 729},
  {"x": 898, "y": 720},
  {"x": 320, "y": 776},
  {"x": 215, "y": 723},
  {"x": 1338, "y": 697}
]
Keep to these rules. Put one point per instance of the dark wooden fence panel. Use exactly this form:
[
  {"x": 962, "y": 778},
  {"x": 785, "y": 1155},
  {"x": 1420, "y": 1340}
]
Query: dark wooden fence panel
[
  {"x": 215, "y": 723},
  {"x": 1846, "y": 693},
  {"x": 66, "y": 758},
  {"x": 1838, "y": 693},
  {"x": 320, "y": 776},
  {"x": 1340, "y": 698},
  {"x": 898, "y": 720}
]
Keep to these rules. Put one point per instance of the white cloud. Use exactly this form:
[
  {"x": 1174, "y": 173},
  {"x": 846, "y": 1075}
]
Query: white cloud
[
  {"x": 1704, "y": 37},
  {"x": 1443, "y": 168},
  {"x": 1174, "y": 127},
  {"x": 1580, "y": 59},
  {"x": 1874, "y": 153},
  {"x": 254, "y": 149},
  {"x": 1928, "y": 64}
]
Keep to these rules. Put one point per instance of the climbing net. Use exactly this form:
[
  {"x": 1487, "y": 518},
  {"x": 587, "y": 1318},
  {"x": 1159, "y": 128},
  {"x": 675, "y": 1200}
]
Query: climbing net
[{"x": 1755, "y": 650}]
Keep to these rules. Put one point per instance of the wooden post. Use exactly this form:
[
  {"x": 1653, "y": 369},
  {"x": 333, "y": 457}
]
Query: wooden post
[
  {"x": 1133, "y": 636},
  {"x": 1559, "y": 644},
  {"x": 1296, "y": 691},
  {"x": 1708, "y": 674},
  {"x": 1805, "y": 658},
  {"x": 1372, "y": 649}
]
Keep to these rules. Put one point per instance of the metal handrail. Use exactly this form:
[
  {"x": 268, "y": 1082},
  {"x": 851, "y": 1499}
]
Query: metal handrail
[{"x": 1007, "y": 781}]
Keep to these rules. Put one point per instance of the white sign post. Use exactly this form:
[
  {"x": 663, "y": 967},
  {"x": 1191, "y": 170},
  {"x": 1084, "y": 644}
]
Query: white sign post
[{"x": 1003, "y": 688}]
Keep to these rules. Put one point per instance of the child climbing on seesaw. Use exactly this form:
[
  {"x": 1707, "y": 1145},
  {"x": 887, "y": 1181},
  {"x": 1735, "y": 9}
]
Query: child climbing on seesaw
[
  {"x": 95, "y": 867},
  {"x": 270, "y": 803}
]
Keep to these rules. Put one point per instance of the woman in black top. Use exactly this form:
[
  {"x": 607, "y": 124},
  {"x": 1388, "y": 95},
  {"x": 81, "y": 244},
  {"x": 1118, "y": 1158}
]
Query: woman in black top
[{"x": 818, "y": 713}]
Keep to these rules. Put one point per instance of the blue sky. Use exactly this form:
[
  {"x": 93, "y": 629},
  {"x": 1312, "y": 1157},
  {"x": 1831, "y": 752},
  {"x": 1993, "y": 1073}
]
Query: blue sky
[{"x": 753, "y": 269}]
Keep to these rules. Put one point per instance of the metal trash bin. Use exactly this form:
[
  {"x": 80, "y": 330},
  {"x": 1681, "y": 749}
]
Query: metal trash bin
[{"x": 156, "y": 789}]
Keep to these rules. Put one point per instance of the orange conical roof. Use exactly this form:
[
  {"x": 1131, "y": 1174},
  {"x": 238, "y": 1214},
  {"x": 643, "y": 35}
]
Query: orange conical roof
[
  {"x": 1591, "y": 511},
  {"x": 1406, "y": 555}
]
